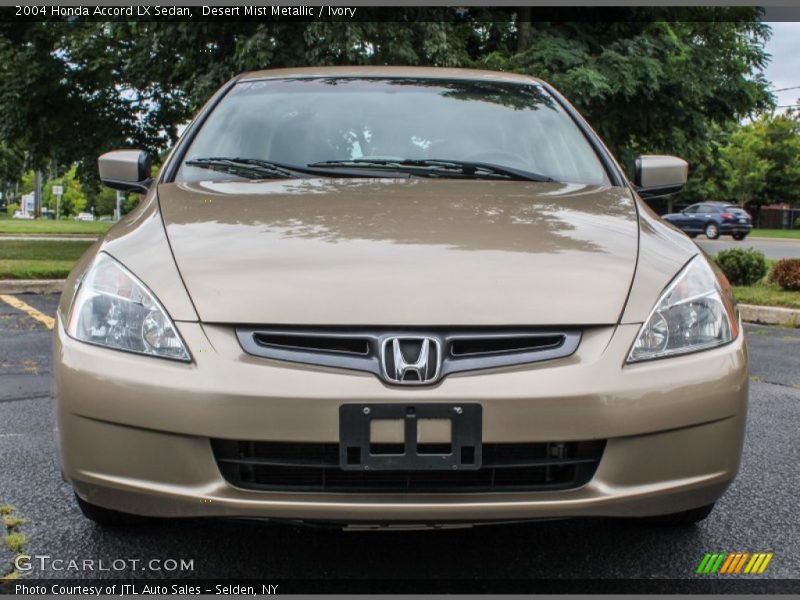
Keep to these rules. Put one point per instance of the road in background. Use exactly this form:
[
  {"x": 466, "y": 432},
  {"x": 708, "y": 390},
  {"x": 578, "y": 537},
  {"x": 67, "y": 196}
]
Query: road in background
[
  {"x": 772, "y": 248},
  {"x": 759, "y": 513}
]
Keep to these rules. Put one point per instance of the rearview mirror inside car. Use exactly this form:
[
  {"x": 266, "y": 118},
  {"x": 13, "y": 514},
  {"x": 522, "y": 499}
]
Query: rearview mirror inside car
[
  {"x": 658, "y": 175},
  {"x": 126, "y": 170}
]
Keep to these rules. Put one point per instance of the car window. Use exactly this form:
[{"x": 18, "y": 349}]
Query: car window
[
  {"x": 304, "y": 121},
  {"x": 692, "y": 209},
  {"x": 705, "y": 209},
  {"x": 739, "y": 212}
]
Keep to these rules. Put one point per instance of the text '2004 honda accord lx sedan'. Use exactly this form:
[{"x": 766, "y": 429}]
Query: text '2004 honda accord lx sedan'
[{"x": 396, "y": 297}]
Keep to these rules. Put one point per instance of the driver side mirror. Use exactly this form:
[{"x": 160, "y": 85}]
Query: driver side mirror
[
  {"x": 658, "y": 175},
  {"x": 126, "y": 170}
]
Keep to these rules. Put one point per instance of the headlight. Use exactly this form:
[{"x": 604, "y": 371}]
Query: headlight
[
  {"x": 114, "y": 309},
  {"x": 695, "y": 312}
]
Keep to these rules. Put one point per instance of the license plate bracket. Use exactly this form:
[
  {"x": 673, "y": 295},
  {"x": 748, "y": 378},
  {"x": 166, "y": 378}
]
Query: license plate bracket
[{"x": 356, "y": 450}]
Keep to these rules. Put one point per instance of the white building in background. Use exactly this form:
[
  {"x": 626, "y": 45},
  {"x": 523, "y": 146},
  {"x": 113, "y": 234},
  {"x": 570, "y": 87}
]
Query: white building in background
[{"x": 28, "y": 204}]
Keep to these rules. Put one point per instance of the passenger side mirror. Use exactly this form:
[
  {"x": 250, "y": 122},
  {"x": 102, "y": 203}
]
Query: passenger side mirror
[
  {"x": 658, "y": 175},
  {"x": 126, "y": 170}
]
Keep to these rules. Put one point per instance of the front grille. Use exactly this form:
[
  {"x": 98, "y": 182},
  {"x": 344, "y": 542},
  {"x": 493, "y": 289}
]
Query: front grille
[
  {"x": 454, "y": 350},
  {"x": 284, "y": 466},
  {"x": 481, "y": 346},
  {"x": 337, "y": 344}
]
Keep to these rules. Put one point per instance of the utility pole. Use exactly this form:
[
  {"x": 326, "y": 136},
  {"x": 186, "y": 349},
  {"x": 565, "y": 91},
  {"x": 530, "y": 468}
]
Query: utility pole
[{"x": 118, "y": 212}]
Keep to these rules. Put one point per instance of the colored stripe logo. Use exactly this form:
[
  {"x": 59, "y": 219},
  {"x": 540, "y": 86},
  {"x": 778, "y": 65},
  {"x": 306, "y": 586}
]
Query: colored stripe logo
[{"x": 734, "y": 563}]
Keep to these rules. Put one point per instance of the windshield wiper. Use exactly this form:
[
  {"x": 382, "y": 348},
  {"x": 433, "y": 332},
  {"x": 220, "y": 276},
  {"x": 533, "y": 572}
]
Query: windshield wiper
[
  {"x": 258, "y": 168},
  {"x": 241, "y": 166},
  {"x": 438, "y": 168}
]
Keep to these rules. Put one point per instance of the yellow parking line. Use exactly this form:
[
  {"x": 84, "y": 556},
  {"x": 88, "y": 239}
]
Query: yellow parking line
[
  {"x": 742, "y": 560},
  {"x": 764, "y": 564},
  {"x": 726, "y": 565},
  {"x": 48, "y": 322}
]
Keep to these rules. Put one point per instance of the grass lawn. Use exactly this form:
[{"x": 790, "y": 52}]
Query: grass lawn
[
  {"x": 43, "y": 226},
  {"x": 45, "y": 259},
  {"x": 766, "y": 294},
  {"x": 792, "y": 234}
]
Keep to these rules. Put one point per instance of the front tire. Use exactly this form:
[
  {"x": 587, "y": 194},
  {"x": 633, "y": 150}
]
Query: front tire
[
  {"x": 712, "y": 231},
  {"x": 686, "y": 518},
  {"x": 105, "y": 517}
]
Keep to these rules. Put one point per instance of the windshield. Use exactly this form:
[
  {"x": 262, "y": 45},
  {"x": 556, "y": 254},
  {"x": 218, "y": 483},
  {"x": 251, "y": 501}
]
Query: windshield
[{"x": 301, "y": 122}]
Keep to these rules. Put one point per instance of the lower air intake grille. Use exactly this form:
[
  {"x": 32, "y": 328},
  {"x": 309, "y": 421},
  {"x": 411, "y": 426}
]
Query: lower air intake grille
[{"x": 282, "y": 466}]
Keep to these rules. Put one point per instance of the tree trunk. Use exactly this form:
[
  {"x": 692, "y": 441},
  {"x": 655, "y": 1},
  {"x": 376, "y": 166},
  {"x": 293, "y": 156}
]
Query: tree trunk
[
  {"x": 37, "y": 203},
  {"x": 523, "y": 28}
]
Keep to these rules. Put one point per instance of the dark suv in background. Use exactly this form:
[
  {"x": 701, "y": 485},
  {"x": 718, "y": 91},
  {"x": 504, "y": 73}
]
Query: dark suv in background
[{"x": 713, "y": 219}]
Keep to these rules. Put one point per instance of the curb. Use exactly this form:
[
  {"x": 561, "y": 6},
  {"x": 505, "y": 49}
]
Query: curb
[
  {"x": 31, "y": 286},
  {"x": 770, "y": 315},
  {"x": 767, "y": 315}
]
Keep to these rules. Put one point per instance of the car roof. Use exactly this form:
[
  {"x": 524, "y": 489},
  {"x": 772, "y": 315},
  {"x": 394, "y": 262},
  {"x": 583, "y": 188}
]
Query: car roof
[
  {"x": 389, "y": 72},
  {"x": 718, "y": 203}
]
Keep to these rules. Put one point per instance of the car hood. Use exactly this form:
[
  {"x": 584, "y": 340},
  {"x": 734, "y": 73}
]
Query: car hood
[{"x": 402, "y": 251}]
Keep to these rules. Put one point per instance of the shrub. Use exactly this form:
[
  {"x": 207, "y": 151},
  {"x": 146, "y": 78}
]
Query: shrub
[
  {"x": 11, "y": 208},
  {"x": 797, "y": 223},
  {"x": 786, "y": 273},
  {"x": 742, "y": 266}
]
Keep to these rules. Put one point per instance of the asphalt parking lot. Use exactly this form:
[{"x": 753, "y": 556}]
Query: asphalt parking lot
[{"x": 759, "y": 513}]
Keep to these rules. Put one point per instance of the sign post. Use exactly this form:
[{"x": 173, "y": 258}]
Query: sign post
[
  {"x": 58, "y": 191},
  {"x": 118, "y": 213}
]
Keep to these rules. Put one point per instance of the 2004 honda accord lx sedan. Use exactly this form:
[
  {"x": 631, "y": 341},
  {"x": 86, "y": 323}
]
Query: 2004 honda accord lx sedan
[{"x": 396, "y": 297}]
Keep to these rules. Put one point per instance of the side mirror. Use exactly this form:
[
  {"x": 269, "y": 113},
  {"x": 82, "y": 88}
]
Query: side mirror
[
  {"x": 126, "y": 170},
  {"x": 658, "y": 175}
]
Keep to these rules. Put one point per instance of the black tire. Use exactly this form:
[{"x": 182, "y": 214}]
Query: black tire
[
  {"x": 712, "y": 231},
  {"x": 692, "y": 235},
  {"x": 739, "y": 236},
  {"x": 686, "y": 518},
  {"x": 105, "y": 517}
]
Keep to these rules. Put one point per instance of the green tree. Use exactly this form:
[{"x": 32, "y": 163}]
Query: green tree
[
  {"x": 754, "y": 164},
  {"x": 653, "y": 86},
  {"x": 73, "y": 200},
  {"x": 744, "y": 165},
  {"x": 781, "y": 140},
  {"x": 650, "y": 80},
  {"x": 707, "y": 177},
  {"x": 27, "y": 182},
  {"x": 104, "y": 201}
]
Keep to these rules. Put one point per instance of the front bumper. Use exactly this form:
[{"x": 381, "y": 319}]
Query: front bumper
[{"x": 134, "y": 431}]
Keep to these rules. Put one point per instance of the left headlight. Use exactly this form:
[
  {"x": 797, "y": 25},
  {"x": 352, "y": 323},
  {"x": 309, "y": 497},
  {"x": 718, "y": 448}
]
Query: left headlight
[
  {"x": 695, "y": 312},
  {"x": 114, "y": 309}
]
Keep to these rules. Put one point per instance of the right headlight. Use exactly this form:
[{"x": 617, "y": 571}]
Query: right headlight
[
  {"x": 112, "y": 308},
  {"x": 695, "y": 312}
]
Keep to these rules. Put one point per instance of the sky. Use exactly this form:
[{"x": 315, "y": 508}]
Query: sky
[{"x": 784, "y": 67}]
